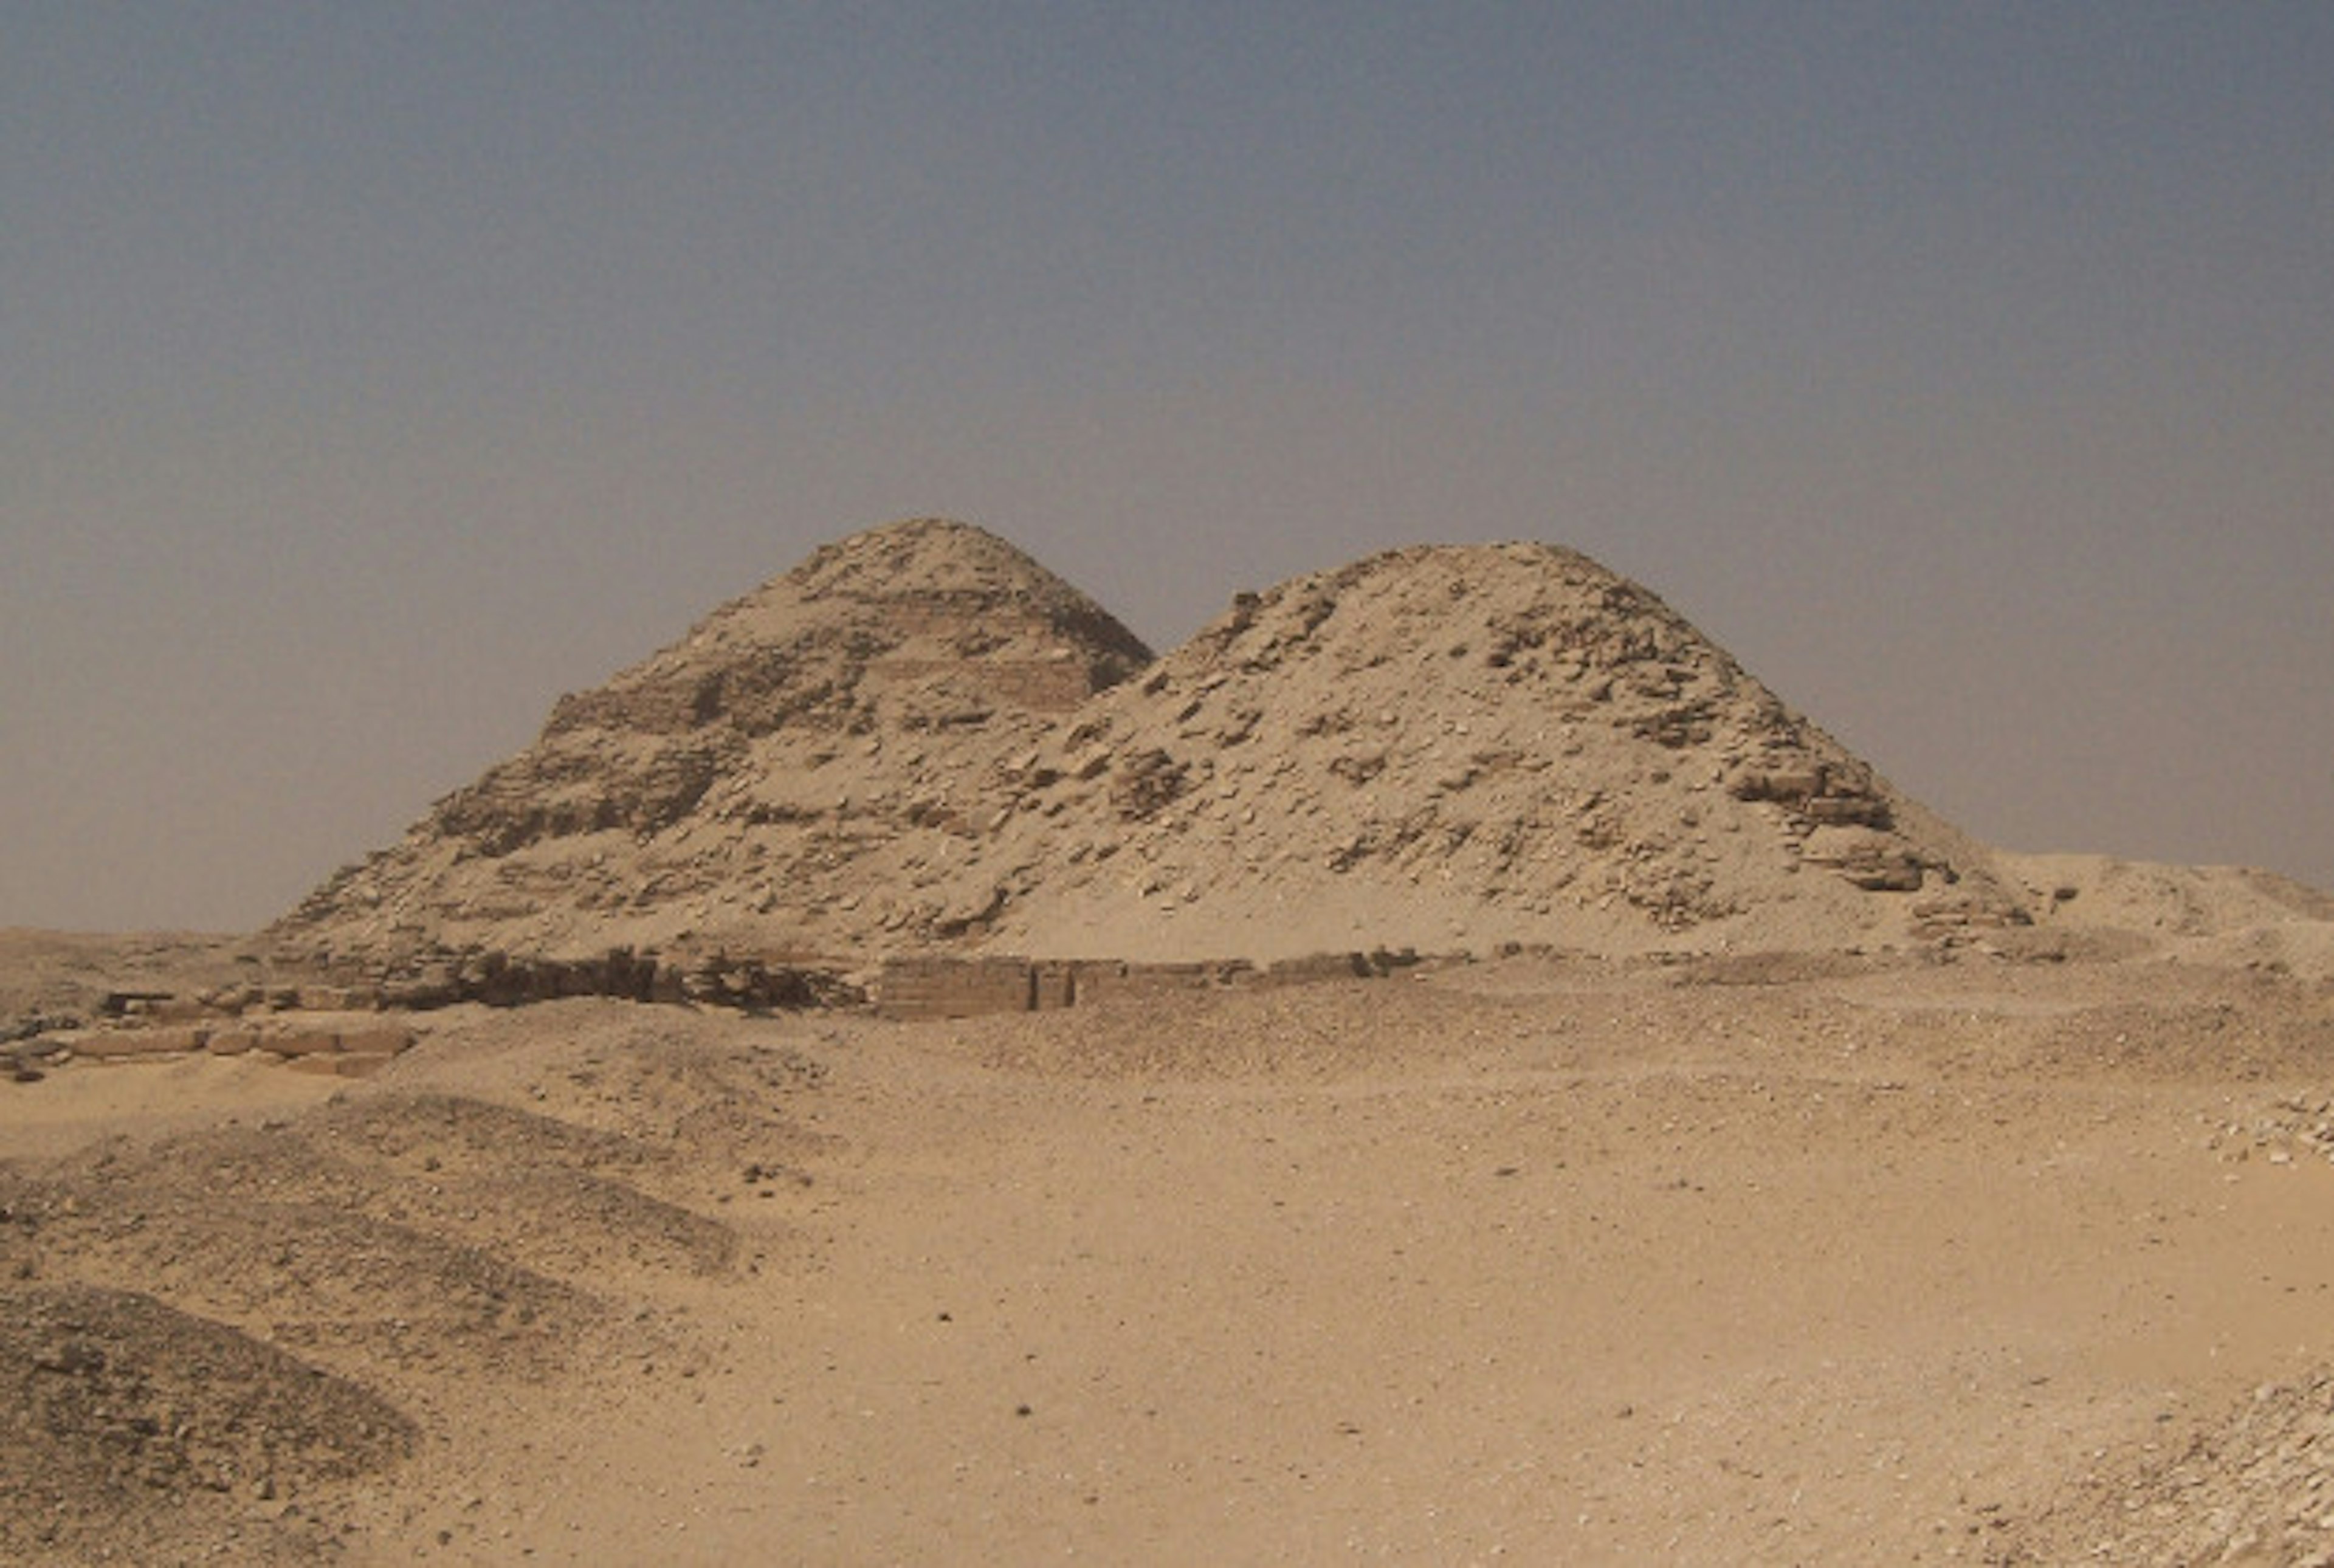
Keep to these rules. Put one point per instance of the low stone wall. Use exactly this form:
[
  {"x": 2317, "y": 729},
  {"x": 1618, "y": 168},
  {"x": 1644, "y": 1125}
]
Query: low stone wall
[
  {"x": 439, "y": 977},
  {"x": 956, "y": 988},
  {"x": 1098, "y": 981},
  {"x": 938, "y": 988},
  {"x": 342, "y": 1047},
  {"x": 346, "y": 1022}
]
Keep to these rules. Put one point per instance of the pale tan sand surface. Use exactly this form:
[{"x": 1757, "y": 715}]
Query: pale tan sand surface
[{"x": 1894, "y": 1261}]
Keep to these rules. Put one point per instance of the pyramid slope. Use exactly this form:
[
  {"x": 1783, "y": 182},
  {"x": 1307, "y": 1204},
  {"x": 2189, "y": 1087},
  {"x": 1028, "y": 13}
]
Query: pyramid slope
[
  {"x": 752, "y": 783},
  {"x": 922, "y": 740},
  {"x": 1452, "y": 747}
]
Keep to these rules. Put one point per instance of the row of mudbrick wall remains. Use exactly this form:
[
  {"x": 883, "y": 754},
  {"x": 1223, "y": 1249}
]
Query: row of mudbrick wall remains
[
  {"x": 940, "y": 987},
  {"x": 339, "y": 1027},
  {"x": 904, "y": 987}
]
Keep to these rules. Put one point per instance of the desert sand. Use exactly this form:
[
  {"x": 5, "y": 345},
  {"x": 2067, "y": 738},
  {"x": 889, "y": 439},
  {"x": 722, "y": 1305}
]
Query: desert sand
[
  {"x": 1555, "y": 1260},
  {"x": 1708, "y": 1156}
]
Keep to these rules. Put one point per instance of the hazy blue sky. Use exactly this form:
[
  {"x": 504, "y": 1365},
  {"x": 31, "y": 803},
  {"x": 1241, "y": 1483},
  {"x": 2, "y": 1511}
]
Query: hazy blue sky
[{"x": 370, "y": 374}]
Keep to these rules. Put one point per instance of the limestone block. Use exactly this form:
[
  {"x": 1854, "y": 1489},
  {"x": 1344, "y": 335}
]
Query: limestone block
[
  {"x": 1896, "y": 874},
  {"x": 1787, "y": 784},
  {"x": 1838, "y": 811},
  {"x": 227, "y": 999},
  {"x": 376, "y": 1040},
  {"x": 300, "y": 1042},
  {"x": 119, "y": 1044},
  {"x": 232, "y": 1041}
]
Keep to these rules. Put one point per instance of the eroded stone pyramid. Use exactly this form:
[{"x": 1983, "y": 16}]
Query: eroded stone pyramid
[
  {"x": 922, "y": 740},
  {"x": 1454, "y": 747},
  {"x": 781, "y": 780}
]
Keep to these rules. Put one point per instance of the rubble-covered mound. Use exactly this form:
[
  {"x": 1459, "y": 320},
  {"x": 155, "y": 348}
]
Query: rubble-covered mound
[
  {"x": 761, "y": 785},
  {"x": 1454, "y": 747},
  {"x": 129, "y": 1424},
  {"x": 237, "y": 1340},
  {"x": 921, "y": 740}
]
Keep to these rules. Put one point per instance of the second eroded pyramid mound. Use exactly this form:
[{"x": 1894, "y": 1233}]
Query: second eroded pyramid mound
[{"x": 1452, "y": 747}]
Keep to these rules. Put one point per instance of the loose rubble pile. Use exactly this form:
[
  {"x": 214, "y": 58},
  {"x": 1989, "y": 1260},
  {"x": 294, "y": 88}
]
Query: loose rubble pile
[
  {"x": 211, "y": 1342},
  {"x": 2295, "y": 1128},
  {"x": 2257, "y": 1489},
  {"x": 123, "y": 1416}
]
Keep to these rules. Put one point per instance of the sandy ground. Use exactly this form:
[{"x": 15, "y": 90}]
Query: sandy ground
[{"x": 1535, "y": 1261}]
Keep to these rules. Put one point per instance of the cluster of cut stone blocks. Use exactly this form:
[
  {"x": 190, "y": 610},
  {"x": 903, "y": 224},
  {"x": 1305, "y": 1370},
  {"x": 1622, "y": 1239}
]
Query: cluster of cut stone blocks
[{"x": 345, "y": 1050}]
